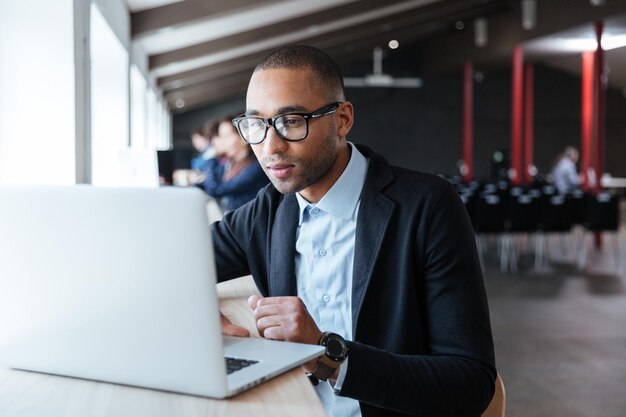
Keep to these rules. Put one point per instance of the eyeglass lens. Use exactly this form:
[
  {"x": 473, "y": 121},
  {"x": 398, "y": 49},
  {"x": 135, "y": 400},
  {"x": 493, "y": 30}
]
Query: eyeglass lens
[{"x": 290, "y": 126}]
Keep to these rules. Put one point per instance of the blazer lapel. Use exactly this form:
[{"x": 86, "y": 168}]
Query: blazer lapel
[
  {"x": 374, "y": 215},
  {"x": 282, "y": 275}
]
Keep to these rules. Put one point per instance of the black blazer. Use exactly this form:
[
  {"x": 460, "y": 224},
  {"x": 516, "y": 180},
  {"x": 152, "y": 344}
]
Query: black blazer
[{"x": 422, "y": 338}]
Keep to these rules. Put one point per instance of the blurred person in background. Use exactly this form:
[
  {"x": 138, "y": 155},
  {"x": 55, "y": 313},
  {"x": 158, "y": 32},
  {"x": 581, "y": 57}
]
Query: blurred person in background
[
  {"x": 236, "y": 178},
  {"x": 564, "y": 173},
  {"x": 201, "y": 142}
]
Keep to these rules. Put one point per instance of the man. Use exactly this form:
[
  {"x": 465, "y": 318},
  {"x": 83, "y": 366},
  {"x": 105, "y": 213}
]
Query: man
[
  {"x": 376, "y": 262},
  {"x": 565, "y": 176}
]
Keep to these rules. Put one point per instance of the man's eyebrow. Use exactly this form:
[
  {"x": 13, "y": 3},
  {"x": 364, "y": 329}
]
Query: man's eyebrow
[{"x": 282, "y": 110}]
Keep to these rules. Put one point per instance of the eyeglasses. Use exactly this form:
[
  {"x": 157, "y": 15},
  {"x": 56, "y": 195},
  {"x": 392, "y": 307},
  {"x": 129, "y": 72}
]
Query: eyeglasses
[{"x": 291, "y": 127}]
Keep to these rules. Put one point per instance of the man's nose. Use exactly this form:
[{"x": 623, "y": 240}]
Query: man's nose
[{"x": 273, "y": 143}]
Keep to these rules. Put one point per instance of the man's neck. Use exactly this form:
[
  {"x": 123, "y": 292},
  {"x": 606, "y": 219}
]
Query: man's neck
[{"x": 314, "y": 193}]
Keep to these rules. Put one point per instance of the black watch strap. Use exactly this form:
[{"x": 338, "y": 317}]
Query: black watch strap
[{"x": 325, "y": 368}]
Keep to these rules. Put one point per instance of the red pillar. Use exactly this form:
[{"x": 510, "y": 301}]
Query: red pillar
[
  {"x": 599, "y": 107},
  {"x": 587, "y": 110},
  {"x": 529, "y": 137},
  {"x": 468, "y": 121},
  {"x": 516, "y": 116},
  {"x": 598, "y": 119}
]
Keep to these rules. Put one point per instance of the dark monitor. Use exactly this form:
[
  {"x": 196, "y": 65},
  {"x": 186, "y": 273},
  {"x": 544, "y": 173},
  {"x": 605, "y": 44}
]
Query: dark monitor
[
  {"x": 166, "y": 166},
  {"x": 171, "y": 160}
]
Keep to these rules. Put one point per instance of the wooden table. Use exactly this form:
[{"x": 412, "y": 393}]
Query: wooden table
[{"x": 30, "y": 394}]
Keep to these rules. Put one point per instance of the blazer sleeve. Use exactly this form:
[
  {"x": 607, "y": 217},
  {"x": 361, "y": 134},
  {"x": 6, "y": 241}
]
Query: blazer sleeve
[
  {"x": 456, "y": 372},
  {"x": 231, "y": 241},
  {"x": 240, "y": 239}
]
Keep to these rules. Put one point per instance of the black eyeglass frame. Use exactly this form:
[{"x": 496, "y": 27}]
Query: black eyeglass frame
[{"x": 270, "y": 121}]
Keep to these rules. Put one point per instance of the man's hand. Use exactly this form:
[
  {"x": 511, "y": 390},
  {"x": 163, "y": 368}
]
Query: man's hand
[
  {"x": 230, "y": 329},
  {"x": 284, "y": 318}
]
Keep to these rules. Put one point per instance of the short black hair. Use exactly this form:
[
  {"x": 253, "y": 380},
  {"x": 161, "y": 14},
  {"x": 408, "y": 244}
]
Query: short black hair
[{"x": 325, "y": 70}]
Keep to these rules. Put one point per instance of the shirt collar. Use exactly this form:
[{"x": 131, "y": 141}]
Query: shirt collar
[{"x": 342, "y": 198}]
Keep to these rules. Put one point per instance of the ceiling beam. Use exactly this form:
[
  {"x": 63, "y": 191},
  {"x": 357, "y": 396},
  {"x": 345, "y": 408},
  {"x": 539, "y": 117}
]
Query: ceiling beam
[
  {"x": 206, "y": 73},
  {"x": 269, "y": 31},
  {"x": 302, "y": 35},
  {"x": 181, "y": 13},
  {"x": 234, "y": 81},
  {"x": 359, "y": 41},
  {"x": 213, "y": 96}
]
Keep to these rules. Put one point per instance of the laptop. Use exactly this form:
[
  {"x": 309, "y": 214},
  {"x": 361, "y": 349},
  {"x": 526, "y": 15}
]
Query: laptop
[{"x": 118, "y": 285}]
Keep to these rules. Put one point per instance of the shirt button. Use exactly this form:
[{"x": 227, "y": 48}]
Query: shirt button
[
  {"x": 326, "y": 298},
  {"x": 322, "y": 252}
]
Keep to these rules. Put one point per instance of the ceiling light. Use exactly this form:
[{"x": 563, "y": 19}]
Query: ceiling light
[
  {"x": 459, "y": 25},
  {"x": 180, "y": 103},
  {"x": 379, "y": 79},
  {"x": 529, "y": 14},
  {"x": 480, "y": 32},
  {"x": 393, "y": 44}
]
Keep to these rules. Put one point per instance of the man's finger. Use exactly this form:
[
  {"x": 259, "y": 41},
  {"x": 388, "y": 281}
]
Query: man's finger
[
  {"x": 230, "y": 329},
  {"x": 267, "y": 310},
  {"x": 253, "y": 301},
  {"x": 263, "y": 301},
  {"x": 266, "y": 322}
]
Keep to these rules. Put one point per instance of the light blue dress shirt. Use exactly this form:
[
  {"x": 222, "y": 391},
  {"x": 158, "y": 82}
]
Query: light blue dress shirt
[{"x": 325, "y": 243}]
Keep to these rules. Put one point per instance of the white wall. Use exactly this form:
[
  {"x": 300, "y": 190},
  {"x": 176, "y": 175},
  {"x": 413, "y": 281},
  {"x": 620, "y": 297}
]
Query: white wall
[{"x": 37, "y": 124}]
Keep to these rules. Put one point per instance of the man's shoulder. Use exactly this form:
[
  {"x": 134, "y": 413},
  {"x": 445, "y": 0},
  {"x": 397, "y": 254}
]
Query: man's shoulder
[
  {"x": 408, "y": 182},
  {"x": 412, "y": 176}
]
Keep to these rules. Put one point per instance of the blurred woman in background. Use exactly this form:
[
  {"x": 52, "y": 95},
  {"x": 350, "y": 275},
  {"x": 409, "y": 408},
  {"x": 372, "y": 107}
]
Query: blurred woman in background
[{"x": 235, "y": 179}]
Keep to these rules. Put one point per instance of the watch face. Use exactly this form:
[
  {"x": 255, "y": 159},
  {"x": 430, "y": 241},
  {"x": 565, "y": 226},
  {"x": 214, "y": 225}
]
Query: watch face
[{"x": 336, "y": 348}]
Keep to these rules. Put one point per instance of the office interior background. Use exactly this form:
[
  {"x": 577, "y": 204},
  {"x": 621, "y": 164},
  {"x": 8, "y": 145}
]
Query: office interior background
[{"x": 82, "y": 82}]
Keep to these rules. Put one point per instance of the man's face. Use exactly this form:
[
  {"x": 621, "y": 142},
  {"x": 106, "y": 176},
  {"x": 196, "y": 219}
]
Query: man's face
[{"x": 313, "y": 164}]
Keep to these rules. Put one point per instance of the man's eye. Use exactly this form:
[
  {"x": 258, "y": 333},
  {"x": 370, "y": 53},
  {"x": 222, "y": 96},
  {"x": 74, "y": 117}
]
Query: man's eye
[
  {"x": 292, "y": 121},
  {"x": 255, "y": 123}
]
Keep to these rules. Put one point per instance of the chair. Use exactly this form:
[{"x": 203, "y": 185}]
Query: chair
[
  {"x": 523, "y": 220},
  {"x": 556, "y": 217},
  {"x": 490, "y": 215},
  {"x": 497, "y": 406},
  {"x": 602, "y": 216}
]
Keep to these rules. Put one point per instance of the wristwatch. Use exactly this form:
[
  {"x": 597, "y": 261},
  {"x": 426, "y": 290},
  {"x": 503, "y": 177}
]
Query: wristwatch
[{"x": 337, "y": 351}]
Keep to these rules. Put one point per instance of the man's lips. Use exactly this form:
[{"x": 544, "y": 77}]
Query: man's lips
[{"x": 280, "y": 170}]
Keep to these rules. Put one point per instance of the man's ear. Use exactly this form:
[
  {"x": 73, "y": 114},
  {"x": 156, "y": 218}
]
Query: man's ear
[{"x": 345, "y": 115}]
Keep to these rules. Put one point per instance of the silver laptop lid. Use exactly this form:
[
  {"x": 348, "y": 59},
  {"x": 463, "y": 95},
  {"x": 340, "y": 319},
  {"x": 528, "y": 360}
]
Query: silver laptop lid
[{"x": 110, "y": 284}]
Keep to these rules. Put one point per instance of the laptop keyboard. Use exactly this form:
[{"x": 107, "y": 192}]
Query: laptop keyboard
[{"x": 235, "y": 364}]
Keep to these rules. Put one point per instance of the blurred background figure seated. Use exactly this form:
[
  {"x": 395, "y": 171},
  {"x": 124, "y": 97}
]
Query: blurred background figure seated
[
  {"x": 201, "y": 141},
  {"x": 235, "y": 178}
]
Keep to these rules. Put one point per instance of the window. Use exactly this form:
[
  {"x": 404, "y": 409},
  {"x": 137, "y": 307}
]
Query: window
[
  {"x": 109, "y": 101},
  {"x": 37, "y": 104}
]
